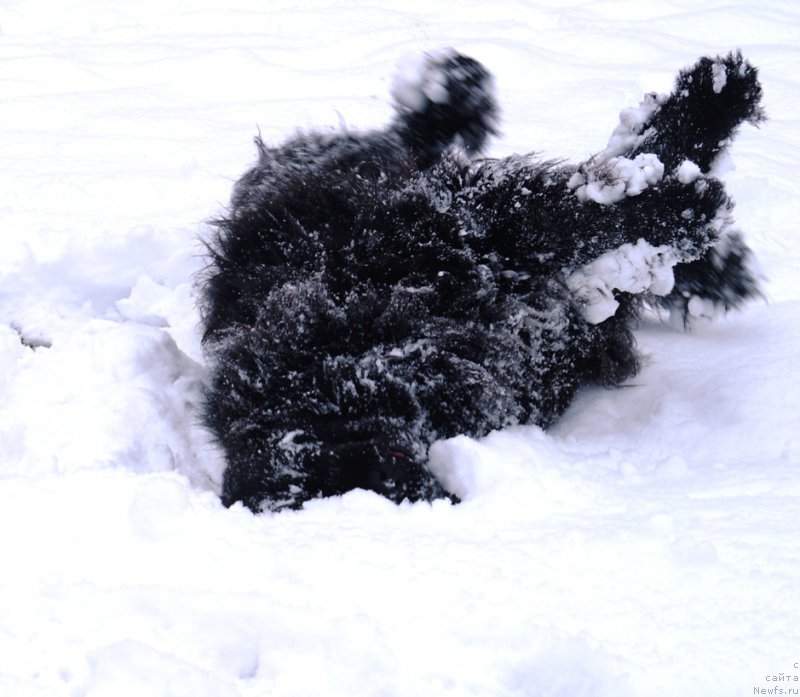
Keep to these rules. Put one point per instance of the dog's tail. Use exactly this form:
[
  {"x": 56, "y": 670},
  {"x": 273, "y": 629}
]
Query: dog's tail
[
  {"x": 698, "y": 120},
  {"x": 447, "y": 98}
]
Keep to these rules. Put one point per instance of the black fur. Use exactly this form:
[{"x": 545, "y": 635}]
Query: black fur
[
  {"x": 702, "y": 117},
  {"x": 370, "y": 294}
]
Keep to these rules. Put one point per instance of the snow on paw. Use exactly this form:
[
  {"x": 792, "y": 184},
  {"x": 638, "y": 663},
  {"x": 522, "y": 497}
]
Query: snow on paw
[
  {"x": 609, "y": 181},
  {"x": 632, "y": 268},
  {"x": 687, "y": 172},
  {"x": 630, "y": 132}
]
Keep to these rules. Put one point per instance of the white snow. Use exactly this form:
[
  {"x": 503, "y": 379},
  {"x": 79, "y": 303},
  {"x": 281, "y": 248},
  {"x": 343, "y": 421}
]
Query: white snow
[
  {"x": 633, "y": 268},
  {"x": 417, "y": 79},
  {"x": 628, "y": 132},
  {"x": 687, "y": 172},
  {"x": 609, "y": 181},
  {"x": 719, "y": 76},
  {"x": 646, "y": 546}
]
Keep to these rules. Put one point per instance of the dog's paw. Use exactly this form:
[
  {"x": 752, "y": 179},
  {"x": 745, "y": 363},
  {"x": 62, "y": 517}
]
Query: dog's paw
[
  {"x": 724, "y": 279},
  {"x": 699, "y": 119}
]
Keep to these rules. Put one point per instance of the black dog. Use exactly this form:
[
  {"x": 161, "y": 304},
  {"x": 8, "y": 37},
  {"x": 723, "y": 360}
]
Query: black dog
[{"x": 370, "y": 294}]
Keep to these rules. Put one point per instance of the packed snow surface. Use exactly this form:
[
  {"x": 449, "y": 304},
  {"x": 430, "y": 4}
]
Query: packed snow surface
[{"x": 647, "y": 546}]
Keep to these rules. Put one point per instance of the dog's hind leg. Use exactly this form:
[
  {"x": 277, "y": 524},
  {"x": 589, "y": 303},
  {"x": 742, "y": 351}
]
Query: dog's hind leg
[
  {"x": 682, "y": 135},
  {"x": 688, "y": 132}
]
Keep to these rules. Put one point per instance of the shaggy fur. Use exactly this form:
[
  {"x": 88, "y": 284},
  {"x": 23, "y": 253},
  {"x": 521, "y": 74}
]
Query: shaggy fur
[{"x": 368, "y": 294}]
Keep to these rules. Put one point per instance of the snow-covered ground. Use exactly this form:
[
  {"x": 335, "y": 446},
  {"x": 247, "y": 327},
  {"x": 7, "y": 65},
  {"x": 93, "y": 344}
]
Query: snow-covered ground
[{"x": 648, "y": 546}]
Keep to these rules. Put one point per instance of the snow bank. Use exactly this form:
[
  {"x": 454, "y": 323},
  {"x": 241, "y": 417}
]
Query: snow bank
[
  {"x": 645, "y": 546},
  {"x": 101, "y": 362}
]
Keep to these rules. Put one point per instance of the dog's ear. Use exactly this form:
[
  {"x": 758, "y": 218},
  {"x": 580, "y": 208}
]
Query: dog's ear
[{"x": 445, "y": 99}]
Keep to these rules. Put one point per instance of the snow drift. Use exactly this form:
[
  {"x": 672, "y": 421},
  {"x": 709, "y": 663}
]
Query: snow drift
[{"x": 647, "y": 546}]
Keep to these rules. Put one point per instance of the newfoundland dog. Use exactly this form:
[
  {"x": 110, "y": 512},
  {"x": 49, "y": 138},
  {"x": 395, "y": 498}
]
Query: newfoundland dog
[{"x": 370, "y": 293}]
